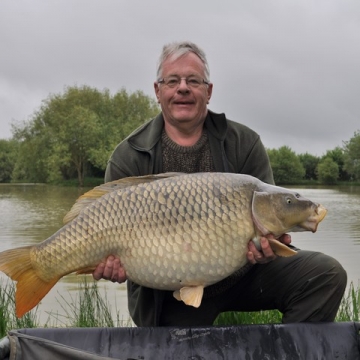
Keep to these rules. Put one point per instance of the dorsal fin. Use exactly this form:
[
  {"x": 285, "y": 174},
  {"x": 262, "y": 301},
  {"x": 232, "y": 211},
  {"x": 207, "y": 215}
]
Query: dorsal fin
[{"x": 97, "y": 192}]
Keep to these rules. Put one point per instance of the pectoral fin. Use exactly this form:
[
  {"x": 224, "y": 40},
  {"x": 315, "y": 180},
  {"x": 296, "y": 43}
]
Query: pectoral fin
[
  {"x": 280, "y": 249},
  {"x": 190, "y": 295}
]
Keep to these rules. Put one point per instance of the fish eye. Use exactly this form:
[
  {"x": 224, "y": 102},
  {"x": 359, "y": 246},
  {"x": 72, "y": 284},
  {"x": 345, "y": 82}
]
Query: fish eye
[{"x": 288, "y": 200}]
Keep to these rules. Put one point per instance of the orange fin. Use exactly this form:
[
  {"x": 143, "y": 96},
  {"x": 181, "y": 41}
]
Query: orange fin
[
  {"x": 176, "y": 295},
  {"x": 280, "y": 249},
  {"x": 190, "y": 295},
  {"x": 30, "y": 289}
]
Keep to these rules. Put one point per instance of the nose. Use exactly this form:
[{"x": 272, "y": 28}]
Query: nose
[{"x": 183, "y": 86}]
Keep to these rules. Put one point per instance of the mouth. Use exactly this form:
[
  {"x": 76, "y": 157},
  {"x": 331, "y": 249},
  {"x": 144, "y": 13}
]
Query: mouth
[
  {"x": 183, "y": 102},
  {"x": 313, "y": 221}
]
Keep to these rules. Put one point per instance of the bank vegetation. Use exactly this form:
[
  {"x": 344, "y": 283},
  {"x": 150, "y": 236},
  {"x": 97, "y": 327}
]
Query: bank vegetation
[
  {"x": 71, "y": 136},
  {"x": 91, "y": 309}
]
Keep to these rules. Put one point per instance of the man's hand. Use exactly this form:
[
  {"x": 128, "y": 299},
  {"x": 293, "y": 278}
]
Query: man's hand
[
  {"x": 110, "y": 269},
  {"x": 266, "y": 254}
]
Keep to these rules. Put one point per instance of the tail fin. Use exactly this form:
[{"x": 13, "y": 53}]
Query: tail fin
[{"x": 30, "y": 289}]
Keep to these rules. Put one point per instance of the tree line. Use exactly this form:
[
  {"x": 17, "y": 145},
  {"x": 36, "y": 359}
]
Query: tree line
[
  {"x": 342, "y": 164},
  {"x": 72, "y": 135}
]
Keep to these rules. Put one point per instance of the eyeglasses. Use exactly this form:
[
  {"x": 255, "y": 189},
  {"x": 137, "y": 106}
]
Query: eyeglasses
[{"x": 174, "y": 81}]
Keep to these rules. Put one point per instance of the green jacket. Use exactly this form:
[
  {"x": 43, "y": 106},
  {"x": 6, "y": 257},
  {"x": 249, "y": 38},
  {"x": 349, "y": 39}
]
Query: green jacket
[{"x": 235, "y": 148}]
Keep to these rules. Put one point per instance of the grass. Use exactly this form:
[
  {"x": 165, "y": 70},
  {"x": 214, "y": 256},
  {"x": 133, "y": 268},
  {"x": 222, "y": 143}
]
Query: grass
[
  {"x": 348, "y": 311},
  {"x": 350, "y": 305},
  {"x": 8, "y": 319},
  {"x": 90, "y": 309},
  {"x": 256, "y": 317}
]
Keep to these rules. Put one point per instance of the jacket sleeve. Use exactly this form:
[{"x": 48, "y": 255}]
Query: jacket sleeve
[
  {"x": 246, "y": 153},
  {"x": 258, "y": 164}
]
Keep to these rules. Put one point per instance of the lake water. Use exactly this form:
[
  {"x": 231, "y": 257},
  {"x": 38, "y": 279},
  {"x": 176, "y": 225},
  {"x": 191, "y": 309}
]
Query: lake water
[{"x": 31, "y": 213}]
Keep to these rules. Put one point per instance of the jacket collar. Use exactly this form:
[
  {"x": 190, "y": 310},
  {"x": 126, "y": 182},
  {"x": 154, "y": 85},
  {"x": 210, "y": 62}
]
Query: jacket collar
[
  {"x": 216, "y": 124},
  {"x": 148, "y": 135}
]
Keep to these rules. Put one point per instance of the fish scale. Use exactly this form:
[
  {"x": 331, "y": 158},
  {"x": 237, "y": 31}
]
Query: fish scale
[{"x": 179, "y": 232}]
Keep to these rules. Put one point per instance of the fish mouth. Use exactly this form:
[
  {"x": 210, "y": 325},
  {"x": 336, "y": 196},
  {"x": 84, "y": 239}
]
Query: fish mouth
[{"x": 313, "y": 221}]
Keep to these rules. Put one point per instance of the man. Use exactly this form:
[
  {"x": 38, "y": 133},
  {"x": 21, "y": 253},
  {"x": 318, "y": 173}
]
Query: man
[{"x": 187, "y": 137}]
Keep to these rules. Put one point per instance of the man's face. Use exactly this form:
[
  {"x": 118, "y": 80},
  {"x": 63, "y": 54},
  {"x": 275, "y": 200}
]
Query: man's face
[{"x": 183, "y": 103}]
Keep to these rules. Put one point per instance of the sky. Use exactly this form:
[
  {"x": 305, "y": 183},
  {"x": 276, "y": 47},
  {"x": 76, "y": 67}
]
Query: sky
[{"x": 288, "y": 69}]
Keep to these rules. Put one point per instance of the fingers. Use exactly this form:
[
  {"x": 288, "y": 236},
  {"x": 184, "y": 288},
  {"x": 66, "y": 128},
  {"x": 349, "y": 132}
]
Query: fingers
[
  {"x": 255, "y": 256},
  {"x": 97, "y": 274},
  {"x": 285, "y": 239},
  {"x": 110, "y": 269}
]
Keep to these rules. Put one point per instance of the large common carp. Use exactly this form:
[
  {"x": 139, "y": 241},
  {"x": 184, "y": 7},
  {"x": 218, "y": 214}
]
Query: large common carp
[{"x": 178, "y": 232}]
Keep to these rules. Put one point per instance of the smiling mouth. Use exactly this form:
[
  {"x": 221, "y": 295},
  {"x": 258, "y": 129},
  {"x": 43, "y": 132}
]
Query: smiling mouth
[{"x": 183, "y": 103}]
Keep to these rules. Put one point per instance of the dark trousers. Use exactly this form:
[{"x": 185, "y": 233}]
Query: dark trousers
[{"x": 307, "y": 287}]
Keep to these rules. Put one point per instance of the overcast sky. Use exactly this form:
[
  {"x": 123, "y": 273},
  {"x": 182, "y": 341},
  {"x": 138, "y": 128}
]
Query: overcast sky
[{"x": 289, "y": 69}]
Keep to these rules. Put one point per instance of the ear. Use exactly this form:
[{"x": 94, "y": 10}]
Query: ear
[
  {"x": 209, "y": 91},
  {"x": 157, "y": 91}
]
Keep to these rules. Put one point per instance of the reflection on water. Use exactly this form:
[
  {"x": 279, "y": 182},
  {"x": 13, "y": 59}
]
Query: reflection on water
[{"x": 31, "y": 213}]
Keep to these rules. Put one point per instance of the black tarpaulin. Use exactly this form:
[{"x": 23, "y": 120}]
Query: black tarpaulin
[{"x": 303, "y": 341}]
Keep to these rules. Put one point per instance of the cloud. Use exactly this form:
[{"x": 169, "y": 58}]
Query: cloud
[{"x": 287, "y": 69}]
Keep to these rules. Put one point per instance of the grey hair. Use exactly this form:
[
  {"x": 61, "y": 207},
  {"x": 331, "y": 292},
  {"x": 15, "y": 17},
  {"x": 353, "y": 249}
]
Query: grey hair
[{"x": 176, "y": 50}]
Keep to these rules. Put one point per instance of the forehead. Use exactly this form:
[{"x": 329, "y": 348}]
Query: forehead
[{"x": 184, "y": 65}]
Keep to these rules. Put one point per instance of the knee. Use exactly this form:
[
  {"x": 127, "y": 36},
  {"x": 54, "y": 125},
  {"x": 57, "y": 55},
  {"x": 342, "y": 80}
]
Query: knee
[
  {"x": 334, "y": 269},
  {"x": 341, "y": 275}
]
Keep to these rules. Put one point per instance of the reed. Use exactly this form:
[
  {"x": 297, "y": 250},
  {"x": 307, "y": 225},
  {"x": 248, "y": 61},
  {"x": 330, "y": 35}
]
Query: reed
[
  {"x": 8, "y": 319},
  {"x": 91, "y": 309},
  {"x": 350, "y": 305},
  {"x": 88, "y": 309}
]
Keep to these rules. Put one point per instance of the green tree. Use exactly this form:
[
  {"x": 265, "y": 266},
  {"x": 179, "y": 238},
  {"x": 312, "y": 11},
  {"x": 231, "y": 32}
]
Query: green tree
[
  {"x": 125, "y": 113},
  {"x": 338, "y": 156},
  {"x": 76, "y": 131},
  {"x": 328, "y": 171},
  {"x": 309, "y": 162},
  {"x": 8, "y": 150},
  {"x": 286, "y": 165},
  {"x": 75, "y": 140},
  {"x": 352, "y": 156},
  {"x": 33, "y": 150}
]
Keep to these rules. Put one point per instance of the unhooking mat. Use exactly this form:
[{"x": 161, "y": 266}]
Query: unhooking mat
[{"x": 305, "y": 341}]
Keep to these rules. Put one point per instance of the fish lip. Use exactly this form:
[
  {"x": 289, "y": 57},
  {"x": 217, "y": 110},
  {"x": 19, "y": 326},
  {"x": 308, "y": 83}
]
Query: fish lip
[
  {"x": 311, "y": 224},
  {"x": 321, "y": 211}
]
